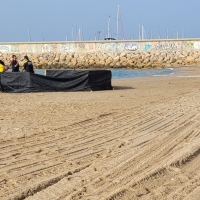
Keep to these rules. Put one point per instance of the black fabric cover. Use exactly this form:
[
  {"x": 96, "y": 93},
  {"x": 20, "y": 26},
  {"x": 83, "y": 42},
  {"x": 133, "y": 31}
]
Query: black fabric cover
[
  {"x": 58, "y": 80},
  {"x": 97, "y": 79}
]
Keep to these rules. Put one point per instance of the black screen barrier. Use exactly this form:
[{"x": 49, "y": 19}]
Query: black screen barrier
[{"x": 56, "y": 80}]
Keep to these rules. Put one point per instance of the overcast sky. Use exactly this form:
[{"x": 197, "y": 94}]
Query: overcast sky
[{"x": 58, "y": 20}]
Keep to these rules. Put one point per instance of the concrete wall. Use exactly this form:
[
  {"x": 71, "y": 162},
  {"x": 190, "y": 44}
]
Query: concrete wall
[{"x": 103, "y": 46}]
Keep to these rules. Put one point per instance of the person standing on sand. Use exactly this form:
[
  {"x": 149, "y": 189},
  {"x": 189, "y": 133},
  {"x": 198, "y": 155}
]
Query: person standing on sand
[
  {"x": 2, "y": 66},
  {"x": 14, "y": 64},
  {"x": 28, "y": 66}
]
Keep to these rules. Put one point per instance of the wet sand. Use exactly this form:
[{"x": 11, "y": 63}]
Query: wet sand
[{"x": 138, "y": 141}]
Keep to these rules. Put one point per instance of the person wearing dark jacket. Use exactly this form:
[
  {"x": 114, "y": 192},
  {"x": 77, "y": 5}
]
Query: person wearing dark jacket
[
  {"x": 28, "y": 66},
  {"x": 14, "y": 64}
]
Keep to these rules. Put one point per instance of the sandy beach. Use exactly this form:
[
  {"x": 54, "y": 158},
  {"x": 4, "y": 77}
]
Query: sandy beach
[{"x": 138, "y": 141}]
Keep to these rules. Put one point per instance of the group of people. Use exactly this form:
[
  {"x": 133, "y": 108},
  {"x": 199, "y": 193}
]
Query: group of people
[{"x": 27, "y": 66}]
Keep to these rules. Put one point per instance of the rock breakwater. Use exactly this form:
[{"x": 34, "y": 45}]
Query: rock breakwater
[{"x": 103, "y": 60}]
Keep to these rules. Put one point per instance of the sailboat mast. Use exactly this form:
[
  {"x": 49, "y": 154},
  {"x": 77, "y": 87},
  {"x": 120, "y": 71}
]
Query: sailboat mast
[
  {"x": 139, "y": 31},
  {"x": 79, "y": 34},
  {"x": 142, "y": 33},
  {"x": 117, "y": 22},
  {"x": 121, "y": 24},
  {"x": 167, "y": 33},
  {"x": 72, "y": 33},
  {"x": 150, "y": 33}
]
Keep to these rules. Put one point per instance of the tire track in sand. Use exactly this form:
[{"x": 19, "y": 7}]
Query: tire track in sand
[{"x": 140, "y": 149}]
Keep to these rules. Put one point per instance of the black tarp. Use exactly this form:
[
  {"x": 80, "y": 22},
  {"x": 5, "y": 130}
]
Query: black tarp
[
  {"x": 59, "y": 81},
  {"x": 97, "y": 79}
]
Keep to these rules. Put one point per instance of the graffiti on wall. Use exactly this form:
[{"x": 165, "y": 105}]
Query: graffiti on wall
[
  {"x": 5, "y": 48},
  {"x": 11, "y": 48},
  {"x": 147, "y": 47},
  {"x": 66, "y": 47},
  {"x": 196, "y": 45},
  {"x": 111, "y": 47},
  {"x": 30, "y": 49},
  {"x": 131, "y": 46},
  {"x": 90, "y": 47},
  {"x": 167, "y": 45},
  {"x": 102, "y": 46},
  {"x": 54, "y": 47},
  {"x": 46, "y": 48},
  {"x": 15, "y": 48},
  {"x": 81, "y": 46},
  {"x": 188, "y": 44}
]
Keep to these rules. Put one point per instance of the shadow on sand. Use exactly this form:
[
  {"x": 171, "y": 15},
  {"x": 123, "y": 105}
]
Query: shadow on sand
[{"x": 122, "y": 87}]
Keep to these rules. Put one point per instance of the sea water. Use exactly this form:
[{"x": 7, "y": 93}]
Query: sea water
[{"x": 130, "y": 73}]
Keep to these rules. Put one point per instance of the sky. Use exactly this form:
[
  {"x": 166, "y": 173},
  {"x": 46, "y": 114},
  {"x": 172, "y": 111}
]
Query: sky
[{"x": 61, "y": 20}]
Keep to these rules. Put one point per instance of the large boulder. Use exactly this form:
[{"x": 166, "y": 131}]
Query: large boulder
[{"x": 189, "y": 59}]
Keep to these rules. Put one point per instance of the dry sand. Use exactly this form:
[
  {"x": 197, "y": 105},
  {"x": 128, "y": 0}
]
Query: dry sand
[{"x": 138, "y": 141}]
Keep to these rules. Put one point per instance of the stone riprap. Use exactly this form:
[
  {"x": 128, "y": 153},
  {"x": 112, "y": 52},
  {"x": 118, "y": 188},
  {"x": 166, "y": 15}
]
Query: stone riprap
[{"x": 105, "y": 54}]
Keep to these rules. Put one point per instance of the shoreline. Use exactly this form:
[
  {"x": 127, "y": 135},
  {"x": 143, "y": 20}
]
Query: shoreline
[{"x": 183, "y": 69}]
